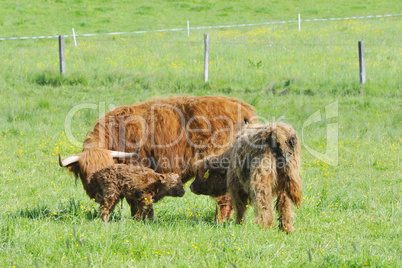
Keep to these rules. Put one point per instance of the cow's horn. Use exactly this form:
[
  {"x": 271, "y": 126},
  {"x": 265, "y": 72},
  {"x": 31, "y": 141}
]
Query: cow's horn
[
  {"x": 68, "y": 161},
  {"x": 118, "y": 154}
]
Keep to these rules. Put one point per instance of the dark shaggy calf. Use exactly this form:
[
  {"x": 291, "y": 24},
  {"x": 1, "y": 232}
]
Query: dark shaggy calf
[
  {"x": 210, "y": 179},
  {"x": 263, "y": 163},
  {"x": 89, "y": 161},
  {"x": 140, "y": 186},
  {"x": 103, "y": 181}
]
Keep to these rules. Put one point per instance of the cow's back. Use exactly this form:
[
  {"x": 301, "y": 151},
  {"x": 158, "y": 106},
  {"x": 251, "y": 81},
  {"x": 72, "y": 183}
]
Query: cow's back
[{"x": 173, "y": 132}]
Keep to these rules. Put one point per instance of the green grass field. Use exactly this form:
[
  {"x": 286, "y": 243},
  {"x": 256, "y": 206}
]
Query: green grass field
[{"x": 351, "y": 212}]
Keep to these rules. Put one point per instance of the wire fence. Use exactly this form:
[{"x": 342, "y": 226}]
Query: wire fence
[
  {"x": 246, "y": 57},
  {"x": 206, "y": 27}
]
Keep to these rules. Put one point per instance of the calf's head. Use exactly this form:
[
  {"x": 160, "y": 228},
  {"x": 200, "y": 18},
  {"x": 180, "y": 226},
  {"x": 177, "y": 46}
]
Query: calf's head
[
  {"x": 210, "y": 178},
  {"x": 174, "y": 185}
]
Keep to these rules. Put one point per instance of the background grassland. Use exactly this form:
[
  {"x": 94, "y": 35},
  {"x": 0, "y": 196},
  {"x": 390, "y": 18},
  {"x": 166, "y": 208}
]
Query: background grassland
[
  {"x": 351, "y": 213},
  {"x": 54, "y": 17}
]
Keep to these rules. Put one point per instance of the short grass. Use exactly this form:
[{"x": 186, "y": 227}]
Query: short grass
[{"x": 351, "y": 212}]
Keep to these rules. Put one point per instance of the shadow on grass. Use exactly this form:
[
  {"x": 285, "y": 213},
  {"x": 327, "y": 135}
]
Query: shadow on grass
[
  {"x": 192, "y": 217},
  {"x": 69, "y": 209},
  {"x": 56, "y": 79},
  {"x": 73, "y": 208}
]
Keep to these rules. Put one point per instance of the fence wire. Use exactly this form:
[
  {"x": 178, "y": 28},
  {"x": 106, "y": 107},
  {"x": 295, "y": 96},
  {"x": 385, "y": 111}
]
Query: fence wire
[{"x": 204, "y": 27}]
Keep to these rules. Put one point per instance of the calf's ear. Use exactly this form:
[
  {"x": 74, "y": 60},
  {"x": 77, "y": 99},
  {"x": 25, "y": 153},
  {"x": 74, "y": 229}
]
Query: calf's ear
[{"x": 162, "y": 178}]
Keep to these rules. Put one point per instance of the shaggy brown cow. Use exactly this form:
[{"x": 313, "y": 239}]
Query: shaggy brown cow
[
  {"x": 140, "y": 186},
  {"x": 173, "y": 132},
  {"x": 263, "y": 162}
]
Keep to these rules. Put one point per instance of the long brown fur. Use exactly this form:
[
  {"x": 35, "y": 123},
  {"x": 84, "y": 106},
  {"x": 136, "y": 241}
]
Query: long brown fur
[
  {"x": 263, "y": 163},
  {"x": 125, "y": 127},
  {"x": 172, "y": 121},
  {"x": 140, "y": 186}
]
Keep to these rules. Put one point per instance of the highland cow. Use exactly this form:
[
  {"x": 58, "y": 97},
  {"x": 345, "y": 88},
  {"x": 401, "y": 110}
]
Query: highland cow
[
  {"x": 173, "y": 132},
  {"x": 263, "y": 163},
  {"x": 140, "y": 186}
]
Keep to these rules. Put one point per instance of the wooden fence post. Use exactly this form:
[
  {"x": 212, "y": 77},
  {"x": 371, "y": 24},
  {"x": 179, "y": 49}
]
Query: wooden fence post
[
  {"x": 206, "y": 57},
  {"x": 362, "y": 66},
  {"x": 61, "y": 55}
]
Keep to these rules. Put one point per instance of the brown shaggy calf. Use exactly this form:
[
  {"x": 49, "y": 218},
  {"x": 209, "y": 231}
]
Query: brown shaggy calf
[
  {"x": 140, "y": 186},
  {"x": 88, "y": 162},
  {"x": 263, "y": 163},
  {"x": 173, "y": 132}
]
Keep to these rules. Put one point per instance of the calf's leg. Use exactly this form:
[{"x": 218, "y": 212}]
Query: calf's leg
[
  {"x": 239, "y": 200},
  {"x": 146, "y": 209},
  {"x": 148, "y": 212},
  {"x": 106, "y": 207},
  {"x": 284, "y": 206},
  {"x": 135, "y": 213},
  {"x": 261, "y": 196}
]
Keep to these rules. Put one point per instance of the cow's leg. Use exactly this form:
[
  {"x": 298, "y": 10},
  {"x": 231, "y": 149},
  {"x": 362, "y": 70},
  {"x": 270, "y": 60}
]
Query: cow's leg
[{"x": 224, "y": 209}]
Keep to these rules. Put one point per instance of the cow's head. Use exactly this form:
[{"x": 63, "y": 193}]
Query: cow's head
[{"x": 91, "y": 160}]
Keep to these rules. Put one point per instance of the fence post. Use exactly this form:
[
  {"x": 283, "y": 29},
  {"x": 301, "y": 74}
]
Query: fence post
[
  {"x": 75, "y": 40},
  {"x": 61, "y": 55},
  {"x": 362, "y": 66},
  {"x": 206, "y": 56},
  {"x": 188, "y": 28},
  {"x": 299, "y": 21}
]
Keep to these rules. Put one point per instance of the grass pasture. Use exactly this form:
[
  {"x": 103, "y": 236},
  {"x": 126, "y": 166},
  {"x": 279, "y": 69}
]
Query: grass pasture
[{"x": 351, "y": 212}]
